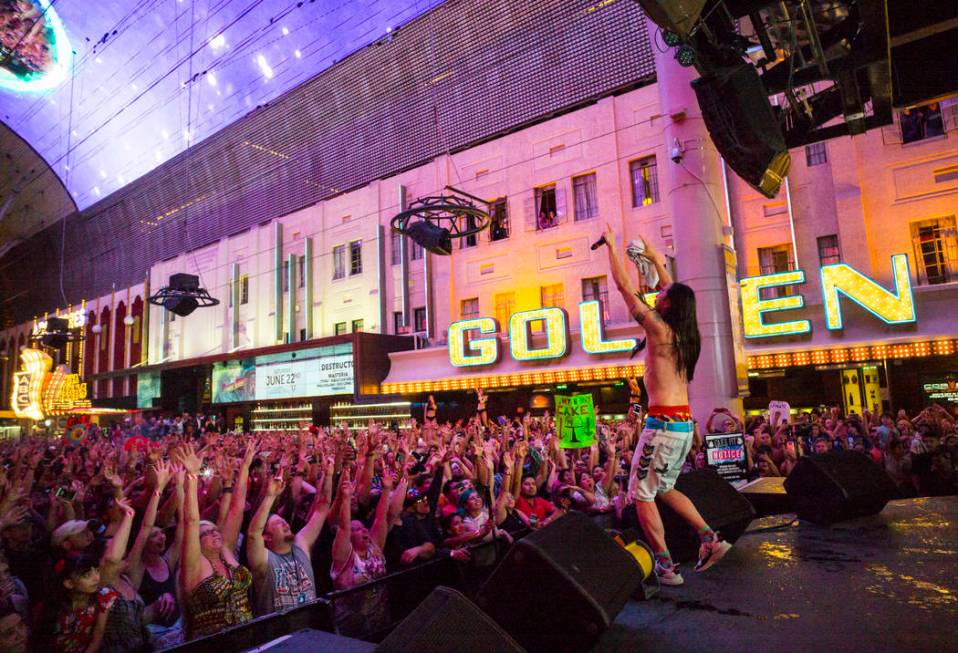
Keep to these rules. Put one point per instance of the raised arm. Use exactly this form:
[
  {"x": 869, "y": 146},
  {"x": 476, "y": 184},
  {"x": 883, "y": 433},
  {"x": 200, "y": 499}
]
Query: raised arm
[
  {"x": 381, "y": 521},
  {"x": 234, "y": 518},
  {"x": 658, "y": 260},
  {"x": 174, "y": 551},
  {"x": 638, "y": 309},
  {"x": 135, "y": 558},
  {"x": 191, "y": 570},
  {"x": 319, "y": 511},
  {"x": 342, "y": 546},
  {"x": 256, "y": 551},
  {"x": 111, "y": 563}
]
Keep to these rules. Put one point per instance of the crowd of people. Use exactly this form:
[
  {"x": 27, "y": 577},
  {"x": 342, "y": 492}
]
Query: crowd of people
[{"x": 142, "y": 536}]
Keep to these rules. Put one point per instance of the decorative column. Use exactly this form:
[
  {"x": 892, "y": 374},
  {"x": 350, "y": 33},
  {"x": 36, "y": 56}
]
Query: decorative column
[{"x": 693, "y": 182}]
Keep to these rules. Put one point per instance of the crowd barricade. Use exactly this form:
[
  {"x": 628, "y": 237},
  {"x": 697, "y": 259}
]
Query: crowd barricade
[{"x": 317, "y": 614}]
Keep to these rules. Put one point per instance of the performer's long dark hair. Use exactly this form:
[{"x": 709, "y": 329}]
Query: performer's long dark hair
[{"x": 680, "y": 316}]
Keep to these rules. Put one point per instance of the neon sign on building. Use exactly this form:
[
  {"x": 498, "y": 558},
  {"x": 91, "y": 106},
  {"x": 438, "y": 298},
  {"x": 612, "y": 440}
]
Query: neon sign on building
[
  {"x": 474, "y": 342},
  {"x": 890, "y": 306},
  {"x": 484, "y": 350}
]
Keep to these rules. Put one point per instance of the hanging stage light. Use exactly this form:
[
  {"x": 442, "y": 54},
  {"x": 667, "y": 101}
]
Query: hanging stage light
[
  {"x": 183, "y": 295},
  {"x": 685, "y": 55},
  {"x": 670, "y": 38},
  {"x": 424, "y": 219}
]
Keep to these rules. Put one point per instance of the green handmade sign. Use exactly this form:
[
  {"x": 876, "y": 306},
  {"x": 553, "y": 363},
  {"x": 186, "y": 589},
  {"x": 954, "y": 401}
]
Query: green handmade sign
[{"x": 575, "y": 421}]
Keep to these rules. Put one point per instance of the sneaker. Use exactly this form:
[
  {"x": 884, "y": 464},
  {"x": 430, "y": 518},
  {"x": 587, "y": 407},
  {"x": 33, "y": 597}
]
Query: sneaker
[
  {"x": 668, "y": 575},
  {"x": 710, "y": 553}
]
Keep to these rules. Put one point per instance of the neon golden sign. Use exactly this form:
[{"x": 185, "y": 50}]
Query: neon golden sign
[
  {"x": 28, "y": 384},
  {"x": 483, "y": 348},
  {"x": 895, "y": 306}
]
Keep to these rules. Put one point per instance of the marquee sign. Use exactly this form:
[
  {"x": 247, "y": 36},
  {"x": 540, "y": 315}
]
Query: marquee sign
[
  {"x": 28, "y": 384},
  {"x": 474, "y": 342},
  {"x": 38, "y": 393},
  {"x": 484, "y": 350},
  {"x": 890, "y": 306}
]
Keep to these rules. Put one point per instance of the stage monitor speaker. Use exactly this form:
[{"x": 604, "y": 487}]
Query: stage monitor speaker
[
  {"x": 838, "y": 485},
  {"x": 721, "y": 506},
  {"x": 767, "y": 495},
  {"x": 743, "y": 126},
  {"x": 447, "y": 621},
  {"x": 559, "y": 588},
  {"x": 678, "y": 16}
]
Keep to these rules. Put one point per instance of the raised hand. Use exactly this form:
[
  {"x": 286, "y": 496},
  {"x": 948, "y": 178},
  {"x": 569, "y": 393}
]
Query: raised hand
[
  {"x": 275, "y": 486},
  {"x": 188, "y": 458},
  {"x": 163, "y": 473},
  {"x": 125, "y": 506}
]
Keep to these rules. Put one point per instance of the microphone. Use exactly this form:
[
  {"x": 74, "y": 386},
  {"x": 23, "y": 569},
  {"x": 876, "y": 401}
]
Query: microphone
[{"x": 599, "y": 243}]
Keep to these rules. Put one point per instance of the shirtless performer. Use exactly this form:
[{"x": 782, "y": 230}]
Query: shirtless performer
[{"x": 672, "y": 337}]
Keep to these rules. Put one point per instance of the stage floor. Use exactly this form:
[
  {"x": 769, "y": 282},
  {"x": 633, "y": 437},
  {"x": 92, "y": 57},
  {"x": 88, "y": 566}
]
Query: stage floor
[{"x": 882, "y": 583}]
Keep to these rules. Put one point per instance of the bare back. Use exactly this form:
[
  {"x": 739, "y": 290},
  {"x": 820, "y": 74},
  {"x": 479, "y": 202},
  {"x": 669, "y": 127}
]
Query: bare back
[{"x": 663, "y": 382}]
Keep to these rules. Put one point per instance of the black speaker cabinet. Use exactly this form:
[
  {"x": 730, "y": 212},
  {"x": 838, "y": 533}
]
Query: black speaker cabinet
[
  {"x": 838, "y": 485},
  {"x": 721, "y": 506},
  {"x": 559, "y": 588},
  {"x": 447, "y": 621}
]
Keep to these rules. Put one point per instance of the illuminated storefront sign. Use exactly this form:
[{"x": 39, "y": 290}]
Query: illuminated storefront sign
[
  {"x": 895, "y": 306},
  {"x": 557, "y": 340},
  {"x": 28, "y": 384},
  {"x": 75, "y": 320},
  {"x": 474, "y": 351},
  {"x": 332, "y": 375},
  {"x": 943, "y": 390},
  {"x": 593, "y": 341},
  {"x": 891, "y": 307},
  {"x": 484, "y": 349},
  {"x": 37, "y": 393}
]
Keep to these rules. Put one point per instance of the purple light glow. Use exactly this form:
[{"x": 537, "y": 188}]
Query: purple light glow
[{"x": 133, "y": 73}]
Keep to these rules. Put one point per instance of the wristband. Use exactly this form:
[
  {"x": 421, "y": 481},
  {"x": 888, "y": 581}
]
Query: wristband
[
  {"x": 157, "y": 493},
  {"x": 227, "y": 489},
  {"x": 192, "y": 476}
]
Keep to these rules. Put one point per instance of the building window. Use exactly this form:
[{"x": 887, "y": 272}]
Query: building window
[
  {"x": 828, "y": 250},
  {"x": 419, "y": 319},
  {"x": 499, "y": 223},
  {"x": 397, "y": 322},
  {"x": 816, "y": 154},
  {"x": 395, "y": 246},
  {"x": 302, "y": 335},
  {"x": 586, "y": 201},
  {"x": 505, "y": 305},
  {"x": 415, "y": 251},
  {"x": 936, "y": 250},
  {"x": 467, "y": 223},
  {"x": 285, "y": 275},
  {"x": 244, "y": 289},
  {"x": 552, "y": 295},
  {"x": 776, "y": 259},
  {"x": 597, "y": 289},
  {"x": 340, "y": 328},
  {"x": 356, "y": 257},
  {"x": 919, "y": 123},
  {"x": 339, "y": 262},
  {"x": 357, "y": 326},
  {"x": 645, "y": 181},
  {"x": 546, "y": 212},
  {"x": 301, "y": 270},
  {"x": 469, "y": 308}
]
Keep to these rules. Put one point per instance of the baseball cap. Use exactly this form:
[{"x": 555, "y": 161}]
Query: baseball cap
[{"x": 67, "y": 529}]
